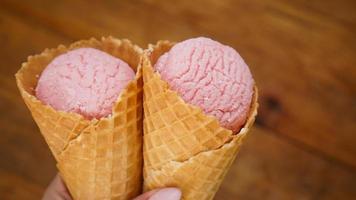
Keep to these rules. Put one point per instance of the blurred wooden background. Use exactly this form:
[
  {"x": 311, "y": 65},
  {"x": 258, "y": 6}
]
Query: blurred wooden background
[{"x": 302, "y": 54}]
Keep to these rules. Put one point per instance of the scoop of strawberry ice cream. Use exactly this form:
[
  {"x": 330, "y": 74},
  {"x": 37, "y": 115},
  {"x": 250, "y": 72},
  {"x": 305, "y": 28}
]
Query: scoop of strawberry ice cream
[
  {"x": 211, "y": 76},
  {"x": 85, "y": 80}
]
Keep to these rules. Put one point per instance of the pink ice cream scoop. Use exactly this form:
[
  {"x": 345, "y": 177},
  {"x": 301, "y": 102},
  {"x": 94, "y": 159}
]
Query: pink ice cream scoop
[
  {"x": 85, "y": 80},
  {"x": 211, "y": 76}
]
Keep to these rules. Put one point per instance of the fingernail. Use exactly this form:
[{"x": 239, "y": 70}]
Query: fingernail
[{"x": 167, "y": 194}]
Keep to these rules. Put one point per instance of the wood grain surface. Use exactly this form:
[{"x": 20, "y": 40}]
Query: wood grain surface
[{"x": 301, "y": 53}]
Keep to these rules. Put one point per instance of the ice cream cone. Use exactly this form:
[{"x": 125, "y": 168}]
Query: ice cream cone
[
  {"x": 183, "y": 147},
  {"x": 98, "y": 159}
]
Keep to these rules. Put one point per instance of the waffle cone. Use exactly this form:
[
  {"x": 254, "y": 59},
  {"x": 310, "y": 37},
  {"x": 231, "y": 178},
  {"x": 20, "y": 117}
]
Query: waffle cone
[
  {"x": 98, "y": 159},
  {"x": 183, "y": 147}
]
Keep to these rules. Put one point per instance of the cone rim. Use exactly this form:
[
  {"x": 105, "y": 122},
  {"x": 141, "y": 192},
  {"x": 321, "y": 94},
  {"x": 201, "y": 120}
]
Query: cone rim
[
  {"x": 147, "y": 53},
  {"x": 75, "y": 45}
]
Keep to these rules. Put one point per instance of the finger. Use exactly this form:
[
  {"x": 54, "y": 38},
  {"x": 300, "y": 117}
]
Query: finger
[
  {"x": 62, "y": 189},
  {"x": 146, "y": 195},
  {"x": 57, "y": 190},
  {"x": 161, "y": 194},
  {"x": 167, "y": 194}
]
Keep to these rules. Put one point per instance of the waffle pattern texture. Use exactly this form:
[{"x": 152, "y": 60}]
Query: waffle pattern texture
[
  {"x": 183, "y": 147},
  {"x": 98, "y": 159}
]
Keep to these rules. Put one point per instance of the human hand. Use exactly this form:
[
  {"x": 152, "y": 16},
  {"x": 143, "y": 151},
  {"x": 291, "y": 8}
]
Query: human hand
[{"x": 58, "y": 191}]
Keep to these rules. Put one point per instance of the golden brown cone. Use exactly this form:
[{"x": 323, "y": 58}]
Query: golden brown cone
[
  {"x": 183, "y": 147},
  {"x": 98, "y": 159}
]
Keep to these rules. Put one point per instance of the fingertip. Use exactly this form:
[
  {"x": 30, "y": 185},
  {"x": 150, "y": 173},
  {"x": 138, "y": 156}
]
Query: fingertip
[{"x": 170, "y": 193}]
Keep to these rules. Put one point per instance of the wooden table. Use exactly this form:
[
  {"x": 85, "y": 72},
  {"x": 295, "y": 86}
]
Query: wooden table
[{"x": 302, "y": 55}]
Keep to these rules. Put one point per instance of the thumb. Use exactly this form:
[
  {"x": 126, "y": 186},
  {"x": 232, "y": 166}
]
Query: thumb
[{"x": 161, "y": 194}]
